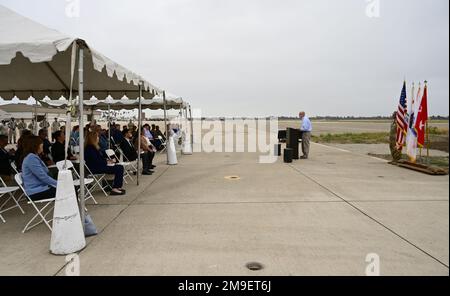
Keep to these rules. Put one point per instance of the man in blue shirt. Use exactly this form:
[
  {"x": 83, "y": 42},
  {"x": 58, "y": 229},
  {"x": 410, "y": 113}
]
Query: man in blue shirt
[{"x": 306, "y": 129}]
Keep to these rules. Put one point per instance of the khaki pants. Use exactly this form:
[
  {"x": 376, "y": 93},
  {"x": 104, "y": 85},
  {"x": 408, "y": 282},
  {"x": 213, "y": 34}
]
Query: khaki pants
[
  {"x": 306, "y": 142},
  {"x": 12, "y": 136}
]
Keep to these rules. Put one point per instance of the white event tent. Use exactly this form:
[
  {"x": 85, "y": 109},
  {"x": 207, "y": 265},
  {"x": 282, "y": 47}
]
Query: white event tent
[
  {"x": 39, "y": 62},
  {"x": 157, "y": 103}
]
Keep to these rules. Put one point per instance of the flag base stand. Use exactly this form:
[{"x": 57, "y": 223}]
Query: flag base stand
[{"x": 429, "y": 170}]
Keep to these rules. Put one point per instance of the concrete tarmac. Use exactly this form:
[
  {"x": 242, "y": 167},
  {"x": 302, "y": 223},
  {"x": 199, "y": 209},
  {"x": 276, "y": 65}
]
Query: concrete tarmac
[{"x": 320, "y": 216}]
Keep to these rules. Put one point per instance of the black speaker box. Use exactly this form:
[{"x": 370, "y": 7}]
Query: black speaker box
[
  {"x": 293, "y": 136},
  {"x": 288, "y": 155}
]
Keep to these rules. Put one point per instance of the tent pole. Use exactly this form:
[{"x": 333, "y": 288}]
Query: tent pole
[
  {"x": 186, "y": 128},
  {"x": 139, "y": 131},
  {"x": 80, "y": 105},
  {"x": 166, "y": 127},
  {"x": 181, "y": 117},
  {"x": 109, "y": 126},
  {"x": 192, "y": 127},
  {"x": 35, "y": 118}
]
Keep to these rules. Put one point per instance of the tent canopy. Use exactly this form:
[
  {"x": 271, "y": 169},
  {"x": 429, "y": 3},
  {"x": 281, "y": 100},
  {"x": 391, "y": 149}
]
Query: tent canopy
[
  {"x": 123, "y": 104},
  {"x": 31, "y": 105},
  {"x": 21, "y": 108},
  {"x": 36, "y": 61}
]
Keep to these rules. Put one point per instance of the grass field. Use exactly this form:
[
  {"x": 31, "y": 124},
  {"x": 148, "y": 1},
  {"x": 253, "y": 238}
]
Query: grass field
[
  {"x": 352, "y": 138},
  {"x": 353, "y": 126},
  {"x": 438, "y": 138}
]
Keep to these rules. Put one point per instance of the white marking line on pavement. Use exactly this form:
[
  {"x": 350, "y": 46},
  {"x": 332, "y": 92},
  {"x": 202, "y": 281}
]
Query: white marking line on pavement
[
  {"x": 350, "y": 203},
  {"x": 331, "y": 147},
  {"x": 347, "y": 151},
  {"x": 379, "y": 159}
]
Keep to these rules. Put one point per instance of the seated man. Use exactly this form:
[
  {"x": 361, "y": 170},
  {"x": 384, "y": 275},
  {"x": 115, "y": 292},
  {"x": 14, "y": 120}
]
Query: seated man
[
  {"x": 127, "y": 146},
  {"x": 75, "y": 136},
  {"x": 58, "y": 148},
  {"x": 153, "y": 131},
  {"x": 158, "y": 142},
  {"x": 159, "y": 133},
  {"x": 117, "y": 135},
  {"x": 148, "y": 154},
  {"x": 131, "y": 154}
]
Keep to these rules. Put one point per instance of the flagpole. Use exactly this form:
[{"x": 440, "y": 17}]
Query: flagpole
[
  {"x": 419, "y": 100},
  {"x": 427, "y": 131}
]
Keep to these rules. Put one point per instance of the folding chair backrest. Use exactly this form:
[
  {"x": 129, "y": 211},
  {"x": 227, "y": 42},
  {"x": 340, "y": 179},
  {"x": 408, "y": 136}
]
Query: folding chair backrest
[
  {"x": 3, "y": 182},
  {"x": 14, "y": 167},
  {"x": 19, "y": 181},
  {"x": 60, "y": 165},
  {"x": 110, "y": 153},
  {"x": 88, "y": 170},
  {"x": 50, "y": 156},
  {"x": 18, "y": 178},
  {"x": 122, "y": 154}
]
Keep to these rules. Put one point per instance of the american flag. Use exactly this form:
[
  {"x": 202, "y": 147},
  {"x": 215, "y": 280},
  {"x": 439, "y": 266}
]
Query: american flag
[{"x": 402, "y": 124}]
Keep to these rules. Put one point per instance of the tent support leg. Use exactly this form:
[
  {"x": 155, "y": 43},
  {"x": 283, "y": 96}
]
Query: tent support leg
[
  {"x": 192, "y": 127},
  {"x": 109, "y": 126},
  {"x": 165, "y": 124},
  {"x": 80, "y": 105},
  {"x": 139, "y": 132}
]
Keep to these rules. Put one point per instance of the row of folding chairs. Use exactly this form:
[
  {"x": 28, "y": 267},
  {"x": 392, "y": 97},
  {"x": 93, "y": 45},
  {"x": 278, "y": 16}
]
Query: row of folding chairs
[
  {"x": 9, "y": 192},
  {"x": 42, "y": 207}
]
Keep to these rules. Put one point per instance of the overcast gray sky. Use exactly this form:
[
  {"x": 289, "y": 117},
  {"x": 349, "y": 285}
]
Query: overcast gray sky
[{"x": 269, "y": 57}]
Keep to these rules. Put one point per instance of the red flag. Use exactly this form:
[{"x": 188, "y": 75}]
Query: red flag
[{"x": 422, "y": 118}]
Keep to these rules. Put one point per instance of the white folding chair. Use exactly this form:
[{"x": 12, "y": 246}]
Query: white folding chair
[
  {"x": 16, "y": 171},
  {"x": 10, "y": 191},
  {"x": 14, "y": 167},
  {"x": 88, "y": 182},
  {"x": 163, "y": 144},
  {"x": 76, "y": 149},
  {"x": 111, "y": 155},
  {"x": 98, "y": 179},
  {"x": 125, "y": 159},
  {"x": 46, "y": 204},
  {"x": 50, "y": 156}
]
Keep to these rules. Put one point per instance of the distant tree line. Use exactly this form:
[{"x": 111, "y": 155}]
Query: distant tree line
[{"x": 438, "y": 117}]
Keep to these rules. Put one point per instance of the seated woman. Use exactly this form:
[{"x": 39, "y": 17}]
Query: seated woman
[
  {"x": 99, "y": 165},
  {"x": 19, "y": 156},
  {"x": 36, "y": 181}
]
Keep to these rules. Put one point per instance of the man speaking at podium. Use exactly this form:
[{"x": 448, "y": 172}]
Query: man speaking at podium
[{"x": 305, "y": 130}]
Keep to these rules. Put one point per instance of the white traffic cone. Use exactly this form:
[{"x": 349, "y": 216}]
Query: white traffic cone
[
  {"x": 67, "y": 231},
  {"x": 187, "y": 146},
  {"x": 172, "y": 151}
]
